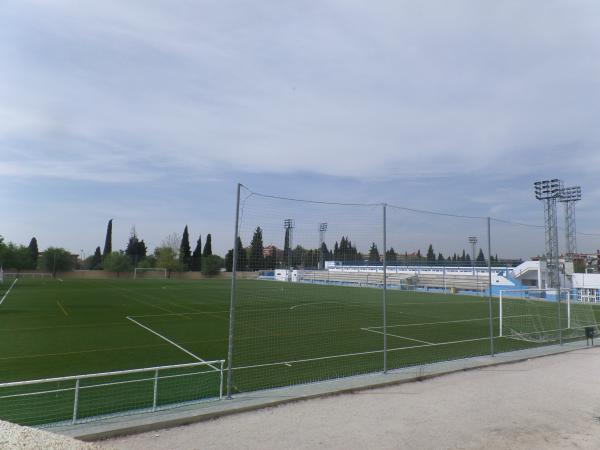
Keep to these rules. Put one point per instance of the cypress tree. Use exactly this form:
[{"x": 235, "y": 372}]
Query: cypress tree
[
  {"x": 97, "y": 259},
  {"x": 441, "y": 257},
  {"x": 480, "y": 256},
  {"x": 207, "y": 246},
  {"x": 256, "y": 251},
  {"x": 197, "y": 256},
  {"x": 374, "y": 254},
  {"x": 430, "y": 254},
  {"x": 185, "y": 252},
  {"x": 108, "y": 240},
  {"x": 33, "y": 251}
]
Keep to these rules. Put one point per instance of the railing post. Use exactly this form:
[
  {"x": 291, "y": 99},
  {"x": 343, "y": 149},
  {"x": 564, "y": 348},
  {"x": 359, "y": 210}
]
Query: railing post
[
  {"x": 221, "y": 382},
  {"x": 76, "y": 402},
  {"x": 155, "y": 393},
  {"x": 489, "y": 239}
]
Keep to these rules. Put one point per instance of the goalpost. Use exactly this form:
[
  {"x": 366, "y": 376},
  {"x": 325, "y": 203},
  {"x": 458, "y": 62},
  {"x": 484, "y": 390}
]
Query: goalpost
[
  {"x": 543, "y": 315},
  {"x": 154, "y": 272}
]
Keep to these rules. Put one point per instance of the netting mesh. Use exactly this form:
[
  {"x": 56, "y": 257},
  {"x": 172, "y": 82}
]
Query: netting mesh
[
  {"x": 317, "y": 308},
  {"x": 300, "y": 323}
]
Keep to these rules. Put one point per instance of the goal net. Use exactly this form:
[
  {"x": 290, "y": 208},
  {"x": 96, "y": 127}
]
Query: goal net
[
  {"x": 544, "y": 315},
  {"x": 149, "y": 273}
]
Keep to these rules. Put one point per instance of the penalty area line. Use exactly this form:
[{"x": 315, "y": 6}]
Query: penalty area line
[
  {"x": 171, "y": 342},
  {"x": 8, "y": 292}
]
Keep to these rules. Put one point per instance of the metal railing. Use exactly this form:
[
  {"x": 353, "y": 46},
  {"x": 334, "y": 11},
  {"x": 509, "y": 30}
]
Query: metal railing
[{"x": 189, "y": 393}]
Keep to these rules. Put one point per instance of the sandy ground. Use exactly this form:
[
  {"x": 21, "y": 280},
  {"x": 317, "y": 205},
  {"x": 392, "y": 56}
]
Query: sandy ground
[
  {"x": 13, "y": 437},
  {"x": 545, "y": 403}
]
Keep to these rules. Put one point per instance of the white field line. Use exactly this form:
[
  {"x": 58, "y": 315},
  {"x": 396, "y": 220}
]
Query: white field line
[
  {"x": 447, "y": 321},
  {"x": 397, "y": 336},
  {"x": 372, "y": 352},
  {"x": 312, "y": 304},
  {"x": 7, "y": 292},
  {"x": 62, "y": 308},
  {"x": 171, "y": 342}
]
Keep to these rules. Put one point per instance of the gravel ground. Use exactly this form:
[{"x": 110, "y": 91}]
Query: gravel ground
[
  {"x": 17, "y": 437},
  {"x": 545, "y": 403}
]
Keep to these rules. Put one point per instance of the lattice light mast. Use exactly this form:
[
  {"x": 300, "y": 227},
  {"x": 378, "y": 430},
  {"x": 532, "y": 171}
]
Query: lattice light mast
[
  {"x": 289, "y": 225},
  {"x": 548, "y": 191},
  {"x": 322, "y": 230},
  {"x": 568, "y": 197}
]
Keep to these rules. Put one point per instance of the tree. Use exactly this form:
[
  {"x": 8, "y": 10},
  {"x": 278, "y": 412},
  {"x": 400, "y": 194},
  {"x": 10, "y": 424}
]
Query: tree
[
  {"x": 197, "y": 255},
  {"x": 108, "y": 240},
  {"x": 440, "y": 257},
  {"x": 57, "y": 260},
  {"x": 33, "y": 252},
  {"x": 212, "y": 265},
  {"x": 136, "y": 249},
  {"x": 96, "y": 259},
  {"x": 257, "y": 259},
  {"x": 117, "y": 262},
  {"x": 430, "y": 255},
  {"x": 207, "y": 246},
  {"x": 185, "y": 252},
  {"x": 242, "y": 259},
  {"x": 271, "y": 258},
  {"x": 480, "y": 256},
  {"x": 166, "y": 258},
  {"x": 374, "y": 254},
  {"x": 173, "y": 241},
  {"x": 390, "y": 256}
]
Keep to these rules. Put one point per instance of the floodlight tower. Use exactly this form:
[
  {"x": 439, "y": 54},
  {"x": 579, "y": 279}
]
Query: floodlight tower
[
  {"x": 568, "y": 197},
  {"x": 473, "y": 241},
  {"x": 322, "y": 230},
  {"x": 548, "y": 191},
  {"x": 289, "y": 225}
]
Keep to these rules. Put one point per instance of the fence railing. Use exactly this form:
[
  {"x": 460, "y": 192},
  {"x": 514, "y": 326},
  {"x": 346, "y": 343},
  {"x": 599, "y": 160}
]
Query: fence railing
[{"x": 81, "y": 398}]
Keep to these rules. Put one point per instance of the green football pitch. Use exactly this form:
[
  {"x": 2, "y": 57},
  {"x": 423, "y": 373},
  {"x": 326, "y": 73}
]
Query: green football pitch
[{"x": 286, "y": 333}]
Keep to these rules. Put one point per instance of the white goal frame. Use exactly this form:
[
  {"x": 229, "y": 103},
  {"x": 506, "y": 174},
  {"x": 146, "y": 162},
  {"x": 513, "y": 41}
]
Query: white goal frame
[
  {"x": 153, "y": 269},
  {"x": 505, "y": 293}
]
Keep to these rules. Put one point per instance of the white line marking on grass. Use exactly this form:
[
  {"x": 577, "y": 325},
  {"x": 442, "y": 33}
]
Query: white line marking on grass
[
  {"x": 61, "y": 308},
  {"x": 7, "y": 292},
  {"x": 448, "y": 321},
  {"x": 171, "y": 342},
  {"x": 311, "y": 304},
  {"x": 397, "y": 336},
  {"x": 345, "y": 355}
]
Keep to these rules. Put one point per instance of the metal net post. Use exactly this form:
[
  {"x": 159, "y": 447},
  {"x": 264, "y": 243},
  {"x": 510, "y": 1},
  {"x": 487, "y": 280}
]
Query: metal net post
[
  {"x": 233, "y": 295},
  {"x": 384, "y": 288}
]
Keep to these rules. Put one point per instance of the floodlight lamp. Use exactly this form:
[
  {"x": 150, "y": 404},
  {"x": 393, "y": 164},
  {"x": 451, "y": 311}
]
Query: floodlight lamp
[
  {"x": 546, "y": 189},
  {"x": 323, "y": 226}
]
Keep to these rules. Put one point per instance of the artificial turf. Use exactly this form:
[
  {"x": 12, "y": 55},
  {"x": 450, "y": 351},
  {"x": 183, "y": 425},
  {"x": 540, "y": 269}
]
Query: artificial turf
[{"x": 285, "y": 333}]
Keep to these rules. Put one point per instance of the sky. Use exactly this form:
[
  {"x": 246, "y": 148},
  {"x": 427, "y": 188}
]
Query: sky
[{"x": 150, "y": 112}]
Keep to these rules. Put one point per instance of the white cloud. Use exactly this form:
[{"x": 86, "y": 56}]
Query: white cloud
[{"x": 337, "y": 88}]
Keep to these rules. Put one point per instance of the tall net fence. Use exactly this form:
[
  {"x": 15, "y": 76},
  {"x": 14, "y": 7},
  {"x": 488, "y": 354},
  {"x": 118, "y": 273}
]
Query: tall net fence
[
  {"x": 306, "y": 324},
  {"x": 346, "y": 289}
]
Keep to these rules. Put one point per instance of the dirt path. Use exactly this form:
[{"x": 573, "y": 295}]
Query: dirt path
[{"x": 546, "y": 403}]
